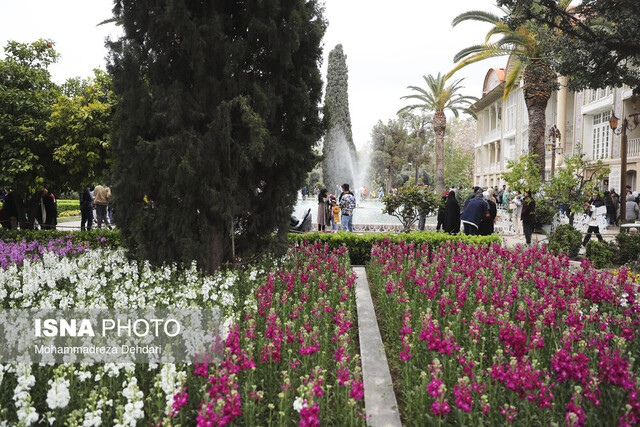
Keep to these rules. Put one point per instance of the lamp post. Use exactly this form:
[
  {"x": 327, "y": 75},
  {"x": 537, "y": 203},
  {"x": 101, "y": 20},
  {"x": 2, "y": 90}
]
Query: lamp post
[
  {"x": 554, "y": 135},
  {"x": 613, "y": 123}
]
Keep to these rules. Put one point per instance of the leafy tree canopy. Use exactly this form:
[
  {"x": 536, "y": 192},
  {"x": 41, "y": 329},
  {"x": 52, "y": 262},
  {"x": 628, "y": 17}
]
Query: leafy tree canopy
[
  {"x": 26, "y": 98},
  {"x": 408, "y": 202},
  {"x": 79, "y": 129},
  {"x": 523, "y": 174},
  {"x": 595, "y": 43}
]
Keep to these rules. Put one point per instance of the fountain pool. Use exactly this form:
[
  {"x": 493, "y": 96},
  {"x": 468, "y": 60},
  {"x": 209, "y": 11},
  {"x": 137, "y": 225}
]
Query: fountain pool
[{"x": 367, "y": 212}]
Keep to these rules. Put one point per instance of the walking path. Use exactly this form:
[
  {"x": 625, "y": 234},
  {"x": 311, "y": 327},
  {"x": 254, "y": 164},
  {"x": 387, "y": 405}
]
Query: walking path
[{"x": 379, "y": 399}]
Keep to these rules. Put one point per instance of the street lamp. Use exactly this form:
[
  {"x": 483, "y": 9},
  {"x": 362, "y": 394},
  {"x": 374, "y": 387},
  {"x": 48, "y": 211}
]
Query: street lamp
[
  {"x": 613, "y": 123},
  {"x": 554, "y": 134}
]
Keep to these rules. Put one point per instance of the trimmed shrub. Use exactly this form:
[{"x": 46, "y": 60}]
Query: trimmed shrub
[
  {"x": 98, "y": 237},
  {"x": 359, "y": 246},
  {"x": 544, "y": 214},
  {"x": 565, "y": 240},
  {"x": 67, "y": 205},
  {"x": 628, "y": 247},
  {"x": 601, "y": 254}
]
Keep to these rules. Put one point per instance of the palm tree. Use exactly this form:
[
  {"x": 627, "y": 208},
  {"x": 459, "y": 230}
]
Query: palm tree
[
  {"x": 438, "y": 97},
  {"x": 526, "y": 50}
]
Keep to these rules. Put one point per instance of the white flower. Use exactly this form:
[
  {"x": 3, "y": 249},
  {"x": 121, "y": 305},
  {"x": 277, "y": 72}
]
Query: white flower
[
  {"x": 298, "y": 404},
  {"x": 58, "y": 395}
]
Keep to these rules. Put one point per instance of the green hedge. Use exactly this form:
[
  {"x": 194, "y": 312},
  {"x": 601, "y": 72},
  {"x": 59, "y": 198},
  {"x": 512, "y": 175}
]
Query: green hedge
[
  {"x": 359, "y": 246},
  {"x": 67, "y": 205},
  {"x": 94, "y": 237}
]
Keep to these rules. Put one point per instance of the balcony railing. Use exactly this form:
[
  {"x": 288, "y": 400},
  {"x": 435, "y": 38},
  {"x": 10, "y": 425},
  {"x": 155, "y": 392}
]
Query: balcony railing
[{"x": 633, "y": 147}]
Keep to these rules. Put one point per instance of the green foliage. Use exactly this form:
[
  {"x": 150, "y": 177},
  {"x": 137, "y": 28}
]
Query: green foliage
[
  {"x": 215, "y": 125},
  {"x": 601, "y": 254},
  {"x": 565, "y": 240},
  {"x": 96, "y": 238},
  {"x": 75, "y": 212},
  {"x": 523, "y": 174},
  {"x": 628, "y": 247},
  {"x": 339, "y": 151},
  {"x": 67, "y": 205},
  {"x": 574, "y": 183},
  {"x": 79, "y": 129},
  {"x": 359, "y": 246},
  {"x": 544, "y": 213},
  {"x": 389, "y": 145},
  {"x": 408, "y": 202},
  {"x": 26, "y": 97},
  {"x": 595, "y": 45}
]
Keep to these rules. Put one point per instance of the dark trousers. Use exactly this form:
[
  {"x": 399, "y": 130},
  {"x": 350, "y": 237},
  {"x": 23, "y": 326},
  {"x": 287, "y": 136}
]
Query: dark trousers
[
  {"x": 470, "y": 229},
  {"x": 87, "y": 217},
  {"x": 422, "y": 219},
  {"x": 527, "y": 228},
  {"x": 321, "y": 227},
  {"x": 590, "y": 230},
  {"x": 101, "y": 212}
]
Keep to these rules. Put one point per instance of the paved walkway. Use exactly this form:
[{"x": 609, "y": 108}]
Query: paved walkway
[{"x": 379, "y": 399}]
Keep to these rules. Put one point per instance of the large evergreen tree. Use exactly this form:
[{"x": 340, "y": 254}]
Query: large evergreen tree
[
  {"x": 339, "y": 151},
  {"x": 217, "y": 118}
]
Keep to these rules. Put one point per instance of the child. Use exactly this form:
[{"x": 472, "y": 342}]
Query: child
[{"x": 335, "y": 211}]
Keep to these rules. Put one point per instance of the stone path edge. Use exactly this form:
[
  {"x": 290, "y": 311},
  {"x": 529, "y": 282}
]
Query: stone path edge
[{"x": 379, "y": 399}]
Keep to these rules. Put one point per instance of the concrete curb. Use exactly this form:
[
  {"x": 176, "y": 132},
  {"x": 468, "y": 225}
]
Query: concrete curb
[{"x": 379, "y": 399}]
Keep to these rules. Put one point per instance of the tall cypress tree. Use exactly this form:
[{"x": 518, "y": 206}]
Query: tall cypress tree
[
  {"x": 339, "y": 164},
  {"x": 216, "y": 122}
]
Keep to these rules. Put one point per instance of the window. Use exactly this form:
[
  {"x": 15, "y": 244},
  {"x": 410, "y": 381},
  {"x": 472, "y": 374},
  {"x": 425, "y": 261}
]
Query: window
[
  {"x": 601, "y": 135},
  {"x": 592, "y": 95}
]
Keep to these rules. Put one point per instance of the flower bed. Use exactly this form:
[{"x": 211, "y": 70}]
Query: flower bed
[
  {"x": 291, "y": 354},
  {"x": 482, "y": 335}
]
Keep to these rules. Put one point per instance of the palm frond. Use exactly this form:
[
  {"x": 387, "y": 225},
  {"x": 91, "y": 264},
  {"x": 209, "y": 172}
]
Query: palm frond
[
  {"x": 513, "y": 77},
  {"x": 476, "y": 15}
]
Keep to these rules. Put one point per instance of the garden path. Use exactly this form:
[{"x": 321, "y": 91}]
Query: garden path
[{"x": 379, "y": 399}]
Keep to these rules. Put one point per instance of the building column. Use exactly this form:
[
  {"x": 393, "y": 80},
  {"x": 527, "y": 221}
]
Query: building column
[{"x": 561, "y": 117}]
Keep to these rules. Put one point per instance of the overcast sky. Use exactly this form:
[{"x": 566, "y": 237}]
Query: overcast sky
[{"x": 389, "y": 45}]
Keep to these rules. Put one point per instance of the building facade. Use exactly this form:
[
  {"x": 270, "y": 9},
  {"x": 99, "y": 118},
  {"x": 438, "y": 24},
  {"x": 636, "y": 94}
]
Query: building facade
[{"x": 581, "y": 117}]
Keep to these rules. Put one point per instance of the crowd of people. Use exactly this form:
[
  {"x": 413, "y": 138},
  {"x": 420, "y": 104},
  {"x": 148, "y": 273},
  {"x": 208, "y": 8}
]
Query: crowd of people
[
  {"x": 478, "y": 214},
  {"x": 42, "y": 211}
]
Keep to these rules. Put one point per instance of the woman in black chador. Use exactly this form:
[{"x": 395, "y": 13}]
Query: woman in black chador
[{"x": 451, "y": 214}]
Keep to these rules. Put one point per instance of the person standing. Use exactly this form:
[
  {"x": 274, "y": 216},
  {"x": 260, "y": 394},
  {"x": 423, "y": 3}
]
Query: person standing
[
  {"x": 486, "y": 226},
  {"x": 516, "y": 212},
  {"x": 632, "y": 209},
  {"x": 440, "y": 217},
  {"x": 101, "y": 196},
  {"x": 335, "y": 214},
  {"x": 591, "y": 211},
  {"x": 324, "y": 220},
  {"x": 477, "y": 210},
  {"x": 528, "y": 216},
  {"x": 451, "y": 214},
  {"x": 347, "y": 205},
  {"x": 86, "y": 209}
]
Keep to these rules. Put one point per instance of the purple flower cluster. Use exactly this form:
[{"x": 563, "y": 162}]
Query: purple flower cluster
[{"x": 16, "y": 253}]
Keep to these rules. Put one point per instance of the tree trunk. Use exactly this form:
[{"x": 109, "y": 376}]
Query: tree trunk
[
  {"x": 390, "y": 179},
  {"x": 218, "y": 248},
  {"x": 439, "y": 126},
  {"x": 538, "y": 84}
]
